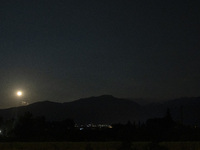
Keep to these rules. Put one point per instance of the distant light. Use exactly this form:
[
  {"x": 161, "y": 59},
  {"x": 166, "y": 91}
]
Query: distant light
[
  {"x": 24, "y": 103},
  {"x": 19, "y": 93}
]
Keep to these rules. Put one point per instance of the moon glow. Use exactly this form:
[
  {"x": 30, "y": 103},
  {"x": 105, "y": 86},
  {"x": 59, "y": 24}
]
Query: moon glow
[{"x": 19, "y": 93}]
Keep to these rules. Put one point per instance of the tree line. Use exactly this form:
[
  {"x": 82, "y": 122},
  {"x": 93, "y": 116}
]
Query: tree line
[{"x": 30, "y": 128}]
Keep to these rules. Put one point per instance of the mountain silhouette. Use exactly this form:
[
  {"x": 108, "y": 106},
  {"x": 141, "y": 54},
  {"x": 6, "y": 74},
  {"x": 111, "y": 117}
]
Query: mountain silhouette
[{"x": 109, "y": 109}]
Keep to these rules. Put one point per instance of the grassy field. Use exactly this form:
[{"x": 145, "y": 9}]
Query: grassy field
[
  {"x": 181, "y": 145},
  {"x": 98, "y": 146}
]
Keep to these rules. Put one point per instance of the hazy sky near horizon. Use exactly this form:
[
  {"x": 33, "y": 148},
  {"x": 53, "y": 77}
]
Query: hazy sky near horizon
[{"x": 63, "y": 50}]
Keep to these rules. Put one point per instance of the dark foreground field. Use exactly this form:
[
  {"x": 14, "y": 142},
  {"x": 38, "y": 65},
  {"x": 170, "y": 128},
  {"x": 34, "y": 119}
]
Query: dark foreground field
[{"x": 99, "y": 146}]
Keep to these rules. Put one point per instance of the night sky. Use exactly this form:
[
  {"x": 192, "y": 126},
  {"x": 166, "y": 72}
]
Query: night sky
[{"x": 63, "y": 50}]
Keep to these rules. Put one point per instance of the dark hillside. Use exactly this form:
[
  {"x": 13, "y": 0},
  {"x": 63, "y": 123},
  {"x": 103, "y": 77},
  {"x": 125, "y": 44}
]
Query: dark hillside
[{"x": 108, "y": 109}]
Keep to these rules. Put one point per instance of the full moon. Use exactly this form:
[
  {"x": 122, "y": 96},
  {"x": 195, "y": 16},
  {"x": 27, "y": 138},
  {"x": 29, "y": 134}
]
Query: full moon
[{"x": 19, "y": 93}]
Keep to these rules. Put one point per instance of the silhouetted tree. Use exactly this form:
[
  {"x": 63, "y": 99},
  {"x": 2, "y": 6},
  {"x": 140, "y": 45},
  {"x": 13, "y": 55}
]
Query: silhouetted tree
[{"x": 24, "y": 127}]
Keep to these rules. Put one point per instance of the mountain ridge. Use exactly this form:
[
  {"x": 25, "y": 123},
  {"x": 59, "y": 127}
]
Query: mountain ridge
[{"x": 109, "y": 109}]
